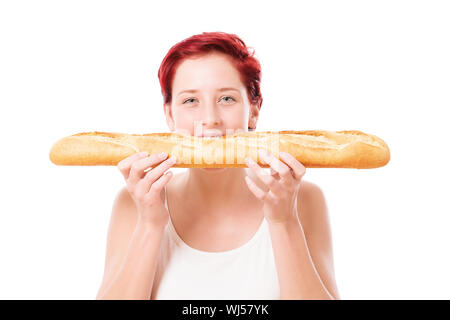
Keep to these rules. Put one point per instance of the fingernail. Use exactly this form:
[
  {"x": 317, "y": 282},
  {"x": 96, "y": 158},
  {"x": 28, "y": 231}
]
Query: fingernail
[
  {"x": 144, "y": 153},
  {"x": 162, "y": 155}
]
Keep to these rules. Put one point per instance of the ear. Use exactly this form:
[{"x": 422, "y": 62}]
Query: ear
[
  {"x": 169, "y": 116},
  {"x": 253, "y": 116}
]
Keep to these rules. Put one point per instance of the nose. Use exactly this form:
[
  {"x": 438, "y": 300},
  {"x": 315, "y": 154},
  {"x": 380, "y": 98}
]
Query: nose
[{"x": 210, "y": 117}]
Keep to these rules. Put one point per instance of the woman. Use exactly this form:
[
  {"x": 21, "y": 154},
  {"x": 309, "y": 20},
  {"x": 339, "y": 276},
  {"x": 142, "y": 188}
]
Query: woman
[{"x": 221, "y": 233}]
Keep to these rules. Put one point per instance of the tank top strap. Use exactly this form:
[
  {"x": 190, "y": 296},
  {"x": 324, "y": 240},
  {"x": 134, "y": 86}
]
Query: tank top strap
[{"x": 165, "y": 197}]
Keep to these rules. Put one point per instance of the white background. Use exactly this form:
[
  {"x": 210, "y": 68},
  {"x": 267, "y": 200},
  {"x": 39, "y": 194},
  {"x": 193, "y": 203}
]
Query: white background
[{"x": 381, "y": 67}]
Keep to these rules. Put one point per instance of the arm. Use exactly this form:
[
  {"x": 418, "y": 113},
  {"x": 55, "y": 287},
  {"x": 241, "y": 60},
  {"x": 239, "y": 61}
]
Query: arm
[
  {"x": 131, "y": 255},
  {"x": 303, "y": 251}
]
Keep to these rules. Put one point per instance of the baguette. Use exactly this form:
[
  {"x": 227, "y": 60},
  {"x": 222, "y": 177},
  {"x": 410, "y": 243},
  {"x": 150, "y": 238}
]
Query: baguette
[{"x": 313, "y": 148}]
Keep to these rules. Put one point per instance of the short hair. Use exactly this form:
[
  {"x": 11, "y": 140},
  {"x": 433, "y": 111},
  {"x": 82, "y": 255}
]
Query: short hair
[{"x": 242, "y": 56}]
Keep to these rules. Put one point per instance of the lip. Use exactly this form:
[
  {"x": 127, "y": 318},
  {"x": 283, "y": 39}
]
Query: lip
[{"x": 212, "y": 135}]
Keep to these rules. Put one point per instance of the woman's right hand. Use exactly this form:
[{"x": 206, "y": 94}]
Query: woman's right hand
[{"x": 145, "y": 187}]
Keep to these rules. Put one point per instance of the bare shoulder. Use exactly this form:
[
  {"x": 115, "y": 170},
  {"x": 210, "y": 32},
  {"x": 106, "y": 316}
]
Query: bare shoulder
[
  {"x": 308, "y": 186},
  {"x": 122, "y": 222},
  {"x": 311, "y": 203},
  {"x": 124, "y": 208},
  {"x": 123, "y": 218},
  {"x": 313, "y": 214},
  {"x": 123, "y": 197},
  {"x": 311, "y": 208},
  {"x": 121, "y": 226}
]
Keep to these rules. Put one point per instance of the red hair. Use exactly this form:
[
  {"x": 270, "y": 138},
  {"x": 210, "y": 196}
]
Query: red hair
[{"x": 207, "y": 42}]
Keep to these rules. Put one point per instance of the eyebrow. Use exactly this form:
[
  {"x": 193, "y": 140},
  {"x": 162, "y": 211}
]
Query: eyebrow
[{"x": 194, "y": 91}]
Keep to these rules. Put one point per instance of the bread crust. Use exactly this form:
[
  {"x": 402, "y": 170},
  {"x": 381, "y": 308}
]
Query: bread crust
[{"x": 313, "y": 148}]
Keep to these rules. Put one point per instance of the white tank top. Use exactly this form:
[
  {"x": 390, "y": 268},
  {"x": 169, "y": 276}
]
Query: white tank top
[{"x": 246, "y": 272}]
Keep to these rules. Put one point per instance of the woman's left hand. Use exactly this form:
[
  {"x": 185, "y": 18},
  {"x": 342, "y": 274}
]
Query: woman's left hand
[{"x": 279, "y": 203}]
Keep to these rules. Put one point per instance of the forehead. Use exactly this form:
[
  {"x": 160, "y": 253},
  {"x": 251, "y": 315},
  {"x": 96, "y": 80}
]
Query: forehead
[{"x": 212, "y": 70}]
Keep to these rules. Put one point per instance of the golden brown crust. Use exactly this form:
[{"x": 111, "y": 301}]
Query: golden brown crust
[{"x": 313, "y": 148}]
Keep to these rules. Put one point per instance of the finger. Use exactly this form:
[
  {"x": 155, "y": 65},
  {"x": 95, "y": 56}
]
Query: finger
[
  {"x": 124, "y": 165},
  {"x": 298, "y": 168},
  {"x": 274, "y": 174},
  {"x": 282, "y": 169},
  {"x": 260, "y": 194},
  {"x": 154, "y": 174},
  {"x": 158, "y": 185},
  {"x": 265, "y": 177},
  {"x": 138, "y": 166}
]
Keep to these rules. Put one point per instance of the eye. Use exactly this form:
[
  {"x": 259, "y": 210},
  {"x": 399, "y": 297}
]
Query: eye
[
  {"x": 229, "y": 97},
  {"x": 222, "y": 98},
  {"x": 188, "y": 100}
]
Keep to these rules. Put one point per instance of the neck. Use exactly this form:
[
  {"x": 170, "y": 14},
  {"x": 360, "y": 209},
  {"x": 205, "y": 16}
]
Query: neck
[{"x": 217, "y": 187}]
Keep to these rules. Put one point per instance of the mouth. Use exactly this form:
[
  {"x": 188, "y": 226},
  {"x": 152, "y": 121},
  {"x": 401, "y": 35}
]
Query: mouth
[{"x": 211, "y": 135}]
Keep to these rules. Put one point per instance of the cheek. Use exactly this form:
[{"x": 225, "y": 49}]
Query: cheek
[
  {"x": 184, "y": 120},
  {"x": 235, "y": 118}
]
